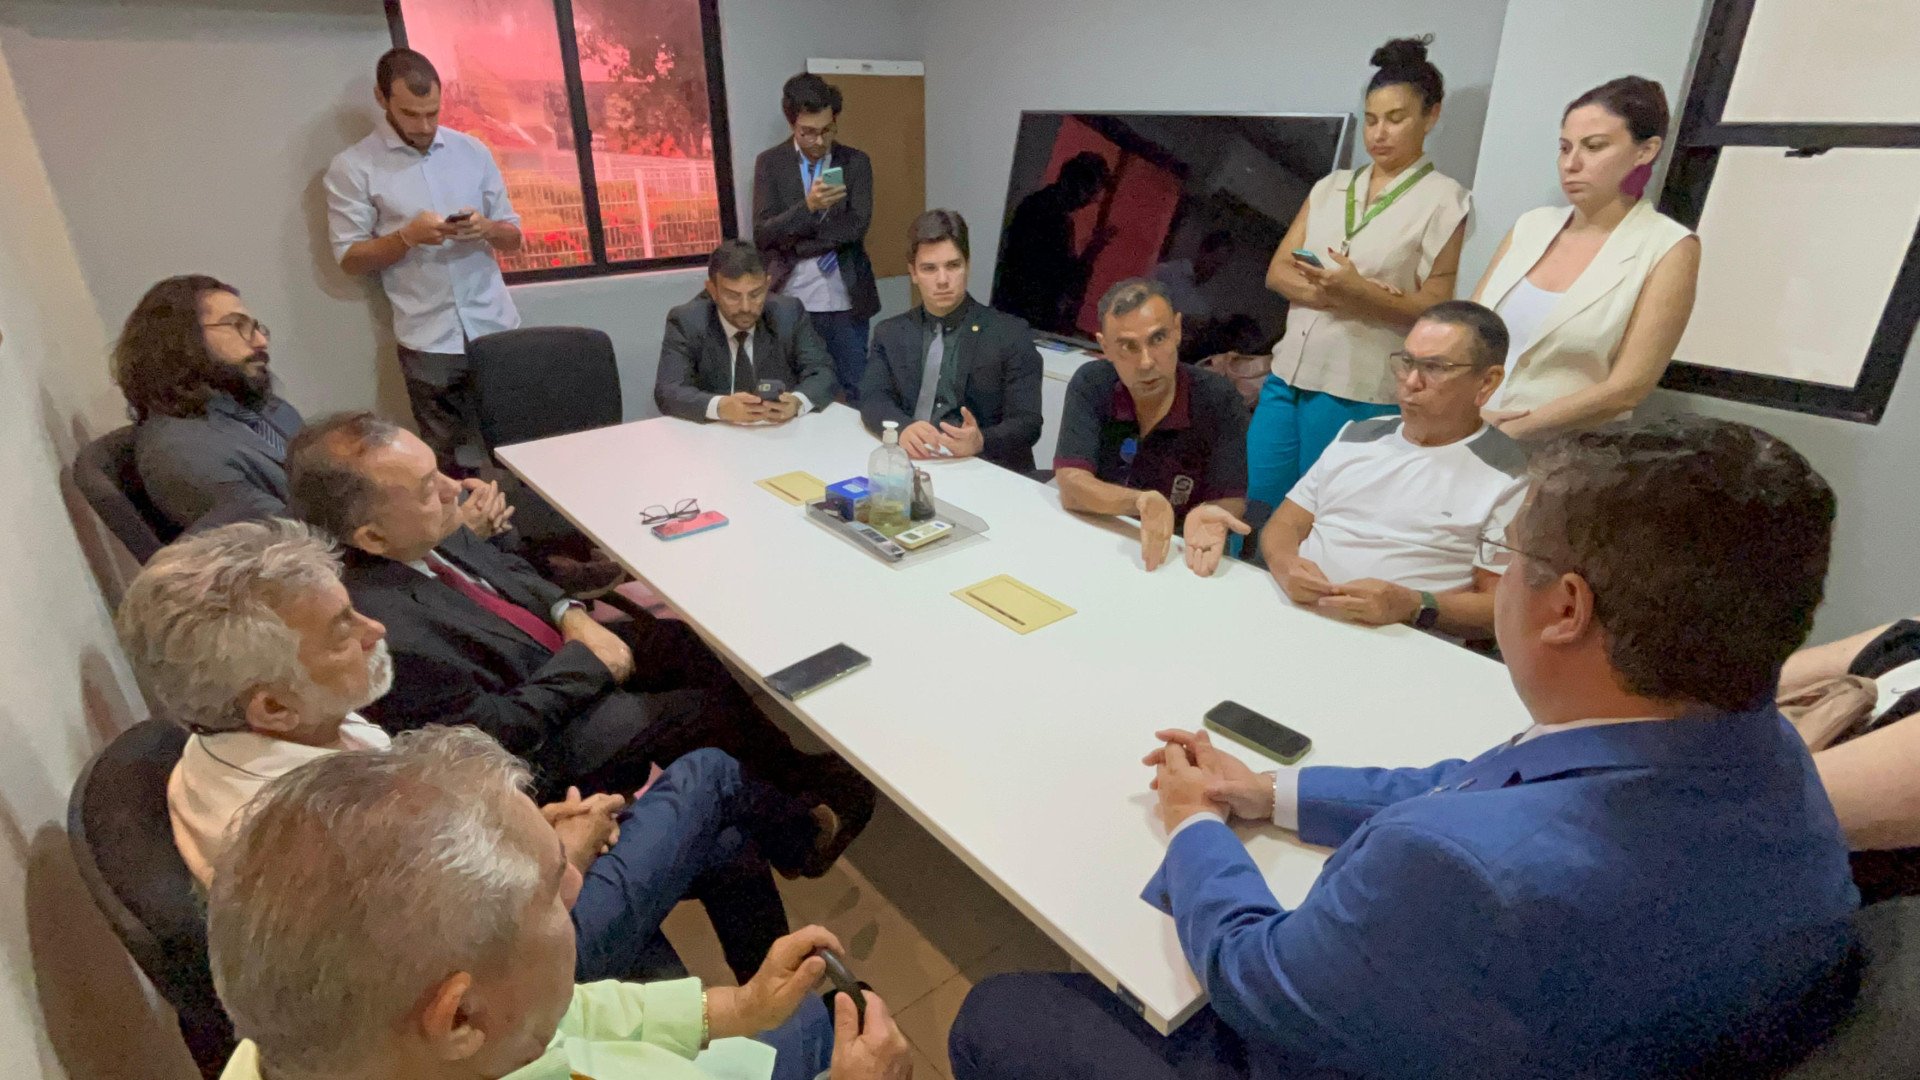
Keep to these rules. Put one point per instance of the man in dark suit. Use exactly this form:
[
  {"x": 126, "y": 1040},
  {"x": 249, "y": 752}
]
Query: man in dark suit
[
  {"x": 724, "y": 343},
  {"x": 193, "y": 364},
  {"x": 960, "y": 378},
  {"x": 479, "y": 638},
  {"x": 813, "y": 232}
]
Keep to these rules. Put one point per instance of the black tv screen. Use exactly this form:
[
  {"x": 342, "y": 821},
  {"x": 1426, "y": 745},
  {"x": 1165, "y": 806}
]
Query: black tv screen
[{"x": 1195, "y": 201}]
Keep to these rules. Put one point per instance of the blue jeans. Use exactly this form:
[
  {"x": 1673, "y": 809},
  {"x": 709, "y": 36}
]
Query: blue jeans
[
  {"x": 1069, "y": 1027},
  {"x": 1290, "y": 430},
  {"x": 803, "y": 1046},
  {"x": 846, "y": 338},
  {"x": 699, "y": 832}
]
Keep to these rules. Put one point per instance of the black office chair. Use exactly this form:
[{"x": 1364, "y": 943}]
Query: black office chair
[
  {"x": 541, "y": 381},
  {"x": 122, "y": 840},
  {"x": 1880, "y": 1037},
  {"x": 108, "y": 479}
]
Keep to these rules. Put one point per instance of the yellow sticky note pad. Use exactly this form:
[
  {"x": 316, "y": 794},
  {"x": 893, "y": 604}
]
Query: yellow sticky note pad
[
  {"x": 1020, "y": 608},
  {"x": 795, "y": 487}
]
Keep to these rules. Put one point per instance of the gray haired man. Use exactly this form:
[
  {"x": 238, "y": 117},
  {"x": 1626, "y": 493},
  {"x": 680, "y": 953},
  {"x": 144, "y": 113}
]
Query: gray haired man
[
  {"x": 423, "y": 933},
  {"x": 245, "y": 636}
]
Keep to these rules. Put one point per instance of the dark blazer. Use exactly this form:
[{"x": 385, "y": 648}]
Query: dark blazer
[
  {"x": 1586, "y": 903},
  {"x": 786, "y": 231},
  {"x": 191, "y": 464},
  {"x": 455, "y": 663},
  {"x": 1001, "y": 380},
  {"x": 696, "y": 356}
]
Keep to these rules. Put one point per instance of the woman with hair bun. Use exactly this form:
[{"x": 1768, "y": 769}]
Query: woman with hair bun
[
  {"x": 1385, "y": 244},
  {"x": 1597, "y": 293}
]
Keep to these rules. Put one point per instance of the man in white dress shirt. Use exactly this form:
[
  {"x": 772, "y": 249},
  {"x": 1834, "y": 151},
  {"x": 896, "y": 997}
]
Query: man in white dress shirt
[
  {"x": 1387, "y": 525},
  {"x": 426, "y": 208}
]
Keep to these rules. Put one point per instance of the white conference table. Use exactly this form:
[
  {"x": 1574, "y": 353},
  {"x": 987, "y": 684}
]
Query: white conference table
[{"x": 1021, "y": 753}]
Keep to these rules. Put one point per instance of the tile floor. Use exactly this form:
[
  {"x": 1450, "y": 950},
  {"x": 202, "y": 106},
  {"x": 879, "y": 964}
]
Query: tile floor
[{"x": 919, "y": 927}]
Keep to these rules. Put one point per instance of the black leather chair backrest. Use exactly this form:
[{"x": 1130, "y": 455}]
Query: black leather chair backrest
[
  {"x": 1880, "y": 1038},
  {"x": 541, "y": 381},
  {"x": 123, "y": 842},
  {"x": 108, "y": 479}
]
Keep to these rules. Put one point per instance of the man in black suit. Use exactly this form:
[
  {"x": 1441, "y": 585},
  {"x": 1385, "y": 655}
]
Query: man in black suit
[
  {"x": 479, "y": 638},
  {"x": 958, "y": 377},
  {"x": 724, "y": 343},
  {"x": 813, "y": 232}
]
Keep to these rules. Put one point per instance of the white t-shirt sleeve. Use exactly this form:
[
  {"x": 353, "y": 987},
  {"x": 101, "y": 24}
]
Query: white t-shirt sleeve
[
  {"x": 1500, "y": 518},
  {"x": 1306, "y": 493}
]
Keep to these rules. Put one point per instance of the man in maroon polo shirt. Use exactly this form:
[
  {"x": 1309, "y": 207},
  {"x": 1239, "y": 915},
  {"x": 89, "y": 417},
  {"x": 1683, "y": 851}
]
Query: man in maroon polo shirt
[{"x": 1146, "y": 436}]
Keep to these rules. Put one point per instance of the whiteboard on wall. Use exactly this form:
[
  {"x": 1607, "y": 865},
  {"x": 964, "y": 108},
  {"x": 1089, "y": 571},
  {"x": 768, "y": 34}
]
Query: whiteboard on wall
[
  {"x": 1828, "y": 61},
  {"x": 1797, "y": 160},
  {"x": 1797, "y": 258}
]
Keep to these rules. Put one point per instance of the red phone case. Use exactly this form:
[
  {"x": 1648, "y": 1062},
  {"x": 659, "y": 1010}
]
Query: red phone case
[{"x": 674, "y": 530}]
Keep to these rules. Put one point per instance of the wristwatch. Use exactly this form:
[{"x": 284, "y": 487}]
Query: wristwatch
[{"x": 1429, "y": 612}]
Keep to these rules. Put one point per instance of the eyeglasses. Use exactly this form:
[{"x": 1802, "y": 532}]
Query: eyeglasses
[
  {"x": 684, "y": 510},
  {"x": 814, "y": 134},
  {"x": 1498, "y": 555},
  {"x": 1405, "y": 363},
  {"x": 244, "y": 325}
]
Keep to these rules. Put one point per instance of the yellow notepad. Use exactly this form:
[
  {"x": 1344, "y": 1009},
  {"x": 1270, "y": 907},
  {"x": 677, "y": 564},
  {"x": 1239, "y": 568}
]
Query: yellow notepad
[
  {"x": 795, "y": 487},
  {"x": 1020, "y": 608}
]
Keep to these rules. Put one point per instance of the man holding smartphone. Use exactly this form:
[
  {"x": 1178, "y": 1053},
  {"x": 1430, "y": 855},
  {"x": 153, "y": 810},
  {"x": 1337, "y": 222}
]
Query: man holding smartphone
[
  {"x": 739, "y": 354},
  {"x": 812, "y": 203},
  {"x": 425, "y": 208}
]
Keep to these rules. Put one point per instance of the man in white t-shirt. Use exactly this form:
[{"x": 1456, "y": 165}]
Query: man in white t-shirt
[{"x": 1388, "y": 526}]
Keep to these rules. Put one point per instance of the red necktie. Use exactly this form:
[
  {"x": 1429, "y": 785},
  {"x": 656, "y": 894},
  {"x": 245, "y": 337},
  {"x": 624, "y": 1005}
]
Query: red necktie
[{"x": 523, "y": 620}]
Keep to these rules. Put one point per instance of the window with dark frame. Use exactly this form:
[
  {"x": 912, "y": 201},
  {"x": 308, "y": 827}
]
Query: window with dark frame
[
  {"x": 607, "y": 118},
  {"x": 1840, "y": 150}
]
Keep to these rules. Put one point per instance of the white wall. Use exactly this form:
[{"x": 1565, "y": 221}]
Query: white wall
[
  {"x": 71, "y": 1004},
  {"x": 989, "y": 59},
  {"x": 1871, "y": 468},
  {"x": 190, "y": 135}
]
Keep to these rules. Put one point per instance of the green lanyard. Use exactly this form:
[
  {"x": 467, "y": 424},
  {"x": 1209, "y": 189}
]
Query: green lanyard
[{"x": 1381, "y": 203}]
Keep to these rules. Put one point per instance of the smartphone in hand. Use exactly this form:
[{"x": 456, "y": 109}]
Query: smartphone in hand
[
  {"x": 843, "y": 983},
  {"x": 834, "y": 176}
]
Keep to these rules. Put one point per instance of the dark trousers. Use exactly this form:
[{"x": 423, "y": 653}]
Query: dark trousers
[
  {"x": 698, "y": 832},
  {"x": 440, "y": 391},
  {"x": 846, "y": 336},
  {"x": 803, "y": 1046},
  {"x": 1069, "y": 1027},
  {"x": 694, "y": 702}
]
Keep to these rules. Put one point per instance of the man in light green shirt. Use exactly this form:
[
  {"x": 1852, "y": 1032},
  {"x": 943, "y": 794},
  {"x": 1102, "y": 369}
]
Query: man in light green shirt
[{"x": 423, "y": 934}]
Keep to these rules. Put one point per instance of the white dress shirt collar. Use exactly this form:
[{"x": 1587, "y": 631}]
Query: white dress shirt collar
[{"x": 1538, "y": 730}]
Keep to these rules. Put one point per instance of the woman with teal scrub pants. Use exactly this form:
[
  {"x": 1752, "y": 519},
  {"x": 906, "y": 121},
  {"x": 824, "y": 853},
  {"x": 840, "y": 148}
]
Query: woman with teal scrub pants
[{"x": 1382, "y": 245}]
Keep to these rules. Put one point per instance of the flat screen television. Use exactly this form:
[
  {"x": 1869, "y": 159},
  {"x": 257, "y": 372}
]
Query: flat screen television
[{"x": 1197, "y": 201}]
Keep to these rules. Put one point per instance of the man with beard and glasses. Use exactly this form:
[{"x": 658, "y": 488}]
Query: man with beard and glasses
[
  {"x": 193, "y": 364},
  {"x": 211, "y": 436},
  {"x": 245, "y": 636}
]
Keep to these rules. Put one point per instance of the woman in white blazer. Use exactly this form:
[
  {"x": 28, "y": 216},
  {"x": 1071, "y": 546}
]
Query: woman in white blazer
[
  {"x": 1596, "y": 294},
  {"x": 1385, "y": 241}
]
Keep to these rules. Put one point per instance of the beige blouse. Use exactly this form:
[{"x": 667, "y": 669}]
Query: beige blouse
[
  {"x": 1574, "y": 346},
  {"x": 1347, "y": 356}
]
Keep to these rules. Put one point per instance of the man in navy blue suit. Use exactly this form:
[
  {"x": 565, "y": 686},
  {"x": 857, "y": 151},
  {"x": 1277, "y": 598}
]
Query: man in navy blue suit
[{"x": 1648, "y": 882}]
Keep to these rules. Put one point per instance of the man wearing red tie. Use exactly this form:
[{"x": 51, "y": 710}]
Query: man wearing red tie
[{"x": 479, "y": 638}]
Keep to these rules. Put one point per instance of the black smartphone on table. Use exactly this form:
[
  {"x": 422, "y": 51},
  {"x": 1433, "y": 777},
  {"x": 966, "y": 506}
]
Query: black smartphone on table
[
  {"x": 1270, "y": 737},
  {"x": 820, "y": 669}
]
